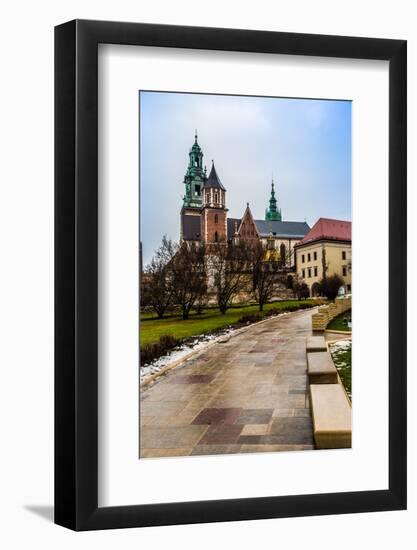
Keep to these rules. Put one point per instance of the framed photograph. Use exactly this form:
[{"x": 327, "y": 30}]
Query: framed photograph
[{"x": 230, "y": 216}]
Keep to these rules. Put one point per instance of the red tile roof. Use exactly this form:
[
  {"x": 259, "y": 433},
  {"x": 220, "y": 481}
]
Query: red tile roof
[{"x": 326, "y": 229}]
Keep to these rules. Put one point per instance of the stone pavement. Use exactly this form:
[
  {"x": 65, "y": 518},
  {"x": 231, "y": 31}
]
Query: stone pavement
[
  {"x": 248, "y": 394},
  {"x": 330, "y": 336}
]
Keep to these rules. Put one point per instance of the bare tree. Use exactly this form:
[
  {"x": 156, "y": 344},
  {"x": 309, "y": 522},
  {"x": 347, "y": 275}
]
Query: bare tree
[
  {"x": 265, "y": 275},
  {"x": 227, "y": 266},
  {"x": 188, "y": 276},
  {"x": 290, "y": 282},
  {"x": 287, "y": 256},
  {"x": 156, "y": 287}
]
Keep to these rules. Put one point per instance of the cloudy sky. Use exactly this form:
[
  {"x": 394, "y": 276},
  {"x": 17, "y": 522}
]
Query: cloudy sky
[{"x": 304, "y": 144}]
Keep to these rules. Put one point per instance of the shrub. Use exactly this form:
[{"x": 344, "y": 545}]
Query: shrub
[
  {"x": 167, "y": 342},
  {"x": 303, "y": 306},
  {"x": 330, "y": 286},
  {"x": 273, "y": 311},
  {"x": 254, "y": 318},
  {"x": 290, "y": 307},
  {"x": 150, "y": 352},
  {"x": 304, "y": 291}
]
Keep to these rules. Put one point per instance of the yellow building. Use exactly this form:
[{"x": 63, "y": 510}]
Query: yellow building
[{"x": 325, "y": 250}]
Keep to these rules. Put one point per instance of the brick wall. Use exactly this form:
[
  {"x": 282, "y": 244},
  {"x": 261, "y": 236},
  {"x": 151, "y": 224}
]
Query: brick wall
[{"x": 209, "y": 227}]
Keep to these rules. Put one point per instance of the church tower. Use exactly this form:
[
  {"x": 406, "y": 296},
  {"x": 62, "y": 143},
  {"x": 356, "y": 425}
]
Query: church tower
[
  {"x": 194, "y": 178},
  {"x": 214, "y": 213},
  {"x": 273, "y": 213}
]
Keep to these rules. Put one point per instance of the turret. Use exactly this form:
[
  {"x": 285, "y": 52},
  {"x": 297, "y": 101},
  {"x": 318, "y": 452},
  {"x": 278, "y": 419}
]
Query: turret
[
  {"x": 214, "y": 193},
  {"x": 273, "y": 213}
]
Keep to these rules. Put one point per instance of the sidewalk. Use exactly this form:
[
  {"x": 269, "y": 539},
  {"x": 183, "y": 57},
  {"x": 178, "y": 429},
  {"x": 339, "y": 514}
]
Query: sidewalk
[{"x": 246, "y": 395}]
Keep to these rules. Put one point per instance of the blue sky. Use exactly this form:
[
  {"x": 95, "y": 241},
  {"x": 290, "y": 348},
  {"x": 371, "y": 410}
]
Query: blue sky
[{"x": 304, "y": 144}]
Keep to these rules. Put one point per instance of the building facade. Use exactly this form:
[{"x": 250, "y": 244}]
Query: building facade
[
  {"x": 204, "y": 215},
  {"x": 325, "y": 250}
]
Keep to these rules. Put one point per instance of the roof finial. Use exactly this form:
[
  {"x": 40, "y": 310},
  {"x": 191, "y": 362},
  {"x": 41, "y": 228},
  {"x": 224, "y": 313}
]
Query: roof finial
[
  {"x": 247, "y": 205},
  {"x": 195, "y": 136},
  {"x": 212, "y": 162}
]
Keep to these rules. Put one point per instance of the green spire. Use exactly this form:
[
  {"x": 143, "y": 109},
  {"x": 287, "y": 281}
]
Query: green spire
[
  {"x": 194, "y": 177},
  {"x": 273, "y": 213}
]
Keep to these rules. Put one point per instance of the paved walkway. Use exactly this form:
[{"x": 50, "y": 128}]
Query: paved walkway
[{"x": 248, "y": 394}]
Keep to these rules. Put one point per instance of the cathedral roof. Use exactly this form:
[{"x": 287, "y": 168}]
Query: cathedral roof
[
  {"x": 191, "y": 228},
  {"x": 213, "y": 180},
  {"x": 282, "y": 229},
  {"x": 286, "y": 230}
]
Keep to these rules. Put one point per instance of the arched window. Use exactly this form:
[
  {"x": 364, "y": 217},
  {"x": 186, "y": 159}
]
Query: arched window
[
  {"x": 216, "y": 197},
  {"x": 216, "y": 237},
  {"x": 283, "y": 252},
  {"x": 216, "y": 219}
]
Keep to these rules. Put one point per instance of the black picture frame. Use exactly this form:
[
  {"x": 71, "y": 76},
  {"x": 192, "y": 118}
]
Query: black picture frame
[{"x": 76, "y": 272}]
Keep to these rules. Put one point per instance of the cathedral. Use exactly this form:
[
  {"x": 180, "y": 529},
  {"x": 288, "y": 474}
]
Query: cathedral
[{"x": 204, "y": 215}]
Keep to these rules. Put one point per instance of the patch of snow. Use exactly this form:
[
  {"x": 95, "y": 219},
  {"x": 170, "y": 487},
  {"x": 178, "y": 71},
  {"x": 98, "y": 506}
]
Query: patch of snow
[
  {"x": 197, "y": 344},
  {"x": 341, "y": 345}
]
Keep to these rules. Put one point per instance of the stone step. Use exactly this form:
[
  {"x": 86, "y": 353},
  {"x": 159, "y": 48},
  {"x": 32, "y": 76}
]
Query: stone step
[
  {"x": 316, "y": 343},
  {"x": 321, "y": 369},
  {"x": 332, "y": 416}
]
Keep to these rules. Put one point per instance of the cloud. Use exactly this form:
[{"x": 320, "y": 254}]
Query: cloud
[{"x": 305, "y": 144}]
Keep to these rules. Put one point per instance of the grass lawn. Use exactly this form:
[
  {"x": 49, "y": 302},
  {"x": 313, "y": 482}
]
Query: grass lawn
[
  {"x": 342, "y": 358},
  {"x": 152, "y": 328},
  {"x": 338, "y": 323}
]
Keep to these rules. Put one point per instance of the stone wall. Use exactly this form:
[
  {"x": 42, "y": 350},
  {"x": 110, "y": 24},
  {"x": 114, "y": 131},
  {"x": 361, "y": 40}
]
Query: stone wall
[
  {"x": 331, "y": 408},
  {"x": 326, "y": 313}
]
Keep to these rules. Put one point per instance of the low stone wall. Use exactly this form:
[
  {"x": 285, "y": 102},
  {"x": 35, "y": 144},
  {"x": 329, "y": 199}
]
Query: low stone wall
[
  {"x": 331, "y": 409},
  {"x": 326, "y": 313}
]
